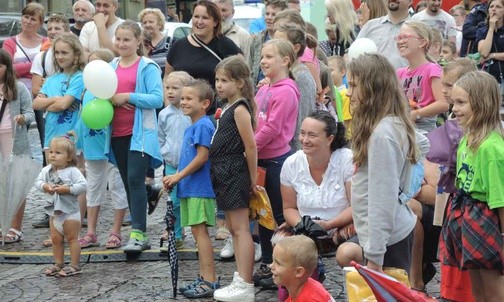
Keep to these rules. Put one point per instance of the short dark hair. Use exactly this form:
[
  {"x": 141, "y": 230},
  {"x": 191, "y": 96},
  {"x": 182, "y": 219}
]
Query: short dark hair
[{"x": 205, "y": 91}]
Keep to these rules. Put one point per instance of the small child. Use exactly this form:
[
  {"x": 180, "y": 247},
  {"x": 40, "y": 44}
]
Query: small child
[
  {"x": 172, "y": 125},
  {"x": 197, "y": 197},
  {"x": 436, "y": 44},
  {"x": 294, "y": 260},
  {"x": 338, "y": 71},
  {"x": 63, "y": 181},
  {"x": 448, "y": 52}
]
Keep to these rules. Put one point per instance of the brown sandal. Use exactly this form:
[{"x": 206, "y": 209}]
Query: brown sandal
[
  {"x": 53, "y": 270},
  {"x": 69, "y": 270},
  {"x": 114, "y": 241}
]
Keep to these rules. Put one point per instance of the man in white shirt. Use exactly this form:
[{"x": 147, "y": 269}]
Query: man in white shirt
[
  {"x": 235, "y": 32},
  {"x": 435, "y": 16},
  {"x": 100, "y": 33}
]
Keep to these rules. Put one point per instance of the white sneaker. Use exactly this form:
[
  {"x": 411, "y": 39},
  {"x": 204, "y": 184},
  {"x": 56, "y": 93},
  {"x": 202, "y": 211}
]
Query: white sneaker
[
  {"x": 257, "y": 252},
  {"x": 228, "y": 250},
  {"x": 238, "y": 290}
]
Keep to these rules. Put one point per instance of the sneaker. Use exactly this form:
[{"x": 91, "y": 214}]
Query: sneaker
[
  {"x": 190, "y": 285},
  {"x": 257, "y": 252},
  {"x": 127, "y": 221},
  {"x": 238, "y": 290},
  {"x": 227, "y": 251},
  {"x": 179, "y": 244},
  {"x": 153, "y": 196},
  {"x": 268, "y": 283},
  {"x": 138, "y": 242},
  {"x": 203, "y": 289},
  {"x": 43, "y": 223},
  {"x": 262, "y": 272}
]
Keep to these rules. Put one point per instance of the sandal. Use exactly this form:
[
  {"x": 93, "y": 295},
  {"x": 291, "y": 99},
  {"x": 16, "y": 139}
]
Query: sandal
[
  {"x": 204, "y": 289},
  {"x": 47, "y": 243},
  {"x": 222, "y": 234},
  {"x": 53, "y": 270},
  {"x": 89, "y": 240},
  {"x": 114, "y": 241},
  {"x": 13, "y": 238},
  {"x": 69, "y": 270}
]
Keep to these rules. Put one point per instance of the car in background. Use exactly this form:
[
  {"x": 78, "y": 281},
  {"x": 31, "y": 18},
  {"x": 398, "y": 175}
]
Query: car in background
[
  {"x": 246, "y": 13},
  {"x": 10, "y": 25},
  {"x": 176, "y": 30}
]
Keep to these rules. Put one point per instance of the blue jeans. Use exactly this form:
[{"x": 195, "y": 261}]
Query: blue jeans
[
  {"x": 273, "y": 168},
  {"x": 170, "y": 170},
  {"x": 132, "y": 166}
]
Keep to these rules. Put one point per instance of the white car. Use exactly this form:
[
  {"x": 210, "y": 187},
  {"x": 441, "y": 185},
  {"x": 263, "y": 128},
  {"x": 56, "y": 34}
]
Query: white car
[
  {"x": 175, "y": 30},
  {"x": 245, "y": 14}
]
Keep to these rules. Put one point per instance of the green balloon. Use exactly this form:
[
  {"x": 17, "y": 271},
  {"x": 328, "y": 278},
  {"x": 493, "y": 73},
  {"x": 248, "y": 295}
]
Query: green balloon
[{"x": 97, "y": 114}]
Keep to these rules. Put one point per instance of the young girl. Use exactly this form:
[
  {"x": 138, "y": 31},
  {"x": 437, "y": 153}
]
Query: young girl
[
  {"x": 61, "y": 93},
  {"x": 421, "y": 80},
  {"x": 472, "y": 232},
  {"x": 15, "y": 114},
  {"x": 306, "y": 84},
  {"x": 276, "y": 116},
  {"x": 233, "y": 158},
  {"x": 134, "y": 142},
  {"x": 172, "y": 125},
  {"x": 98, "y": 171},
  {"x": 384, "y": 145},
  {"x": 63, "y": 181}
]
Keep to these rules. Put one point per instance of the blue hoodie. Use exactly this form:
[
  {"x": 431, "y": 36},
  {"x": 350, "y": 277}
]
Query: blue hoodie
[{"x": 147, "y": 97}]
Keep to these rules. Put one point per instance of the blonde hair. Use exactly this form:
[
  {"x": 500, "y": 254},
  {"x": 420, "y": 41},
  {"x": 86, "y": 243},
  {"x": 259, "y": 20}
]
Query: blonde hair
[
  {"x": 284, "y": 49},
  {"x": 73, "y": 41},
  {"x": 157, "y": 13},
  {"x": 343, "y": 13},
  {"x": 297, "y": 35},
  {"x": 485, "y": 100},
  {"x": 103, "y": 54},
  {"x": 67, "y": 142},
  {"x": 302, "y": 251},
  {"x": 182, "y": 76},
  {"x": 459, "y": 8},
  {"x": 460, "y": 66},
  {"x": 381, "y": 96},
  {"x": 377, "y": 8},
  {"x": 340, "y": 62},
  {"x": 424, "y": 32}
]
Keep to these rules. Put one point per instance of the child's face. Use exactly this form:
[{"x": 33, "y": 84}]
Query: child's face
[
  {"x": 226, "y": 87},
  {"x": 64, "y": 55},
  {"x": 191, "y": 105},
  {"x": 354, "y": 91},
  {"x": 271, "y": 62},
  {"x": 409, "y": 43},
  {"x": 54, "y": 29},
  {"x": 173, "y": 91},
  {"x": 126, "y": 43},
  {"x": 447, "y": 80},
  {"x": 58, "y": 156},
  {"x": 337, "y": 73},
  {"x": 461, "y": 106},
  {"x": 282, "y": 268},
  {"x": 447, "y": 54}
]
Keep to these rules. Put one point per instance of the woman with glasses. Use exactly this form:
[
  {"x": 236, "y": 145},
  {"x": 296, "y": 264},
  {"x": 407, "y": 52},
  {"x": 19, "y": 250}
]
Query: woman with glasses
[{"x": 421, "y": 79}]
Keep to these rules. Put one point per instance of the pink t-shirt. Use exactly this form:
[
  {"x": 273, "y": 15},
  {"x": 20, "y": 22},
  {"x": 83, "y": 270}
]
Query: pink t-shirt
[
  {"x": 309, "y": 57},
  {"x": 417, "y": 83},
  {"x": 122, "y": 124},
  {"x": 312, "y": 291}
]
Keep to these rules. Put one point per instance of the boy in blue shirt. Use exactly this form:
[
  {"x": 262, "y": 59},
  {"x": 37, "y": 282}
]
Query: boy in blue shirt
[{"x": 197, "y": 198}]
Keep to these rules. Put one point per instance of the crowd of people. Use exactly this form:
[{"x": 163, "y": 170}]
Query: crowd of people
[{"x": 352, "y": 148}]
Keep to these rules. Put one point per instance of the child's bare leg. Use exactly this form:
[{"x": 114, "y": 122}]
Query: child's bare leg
[
  {"x": 347, "y": 252},
  {"x": 415, "y": 274},
  {"x": 71, "y": 228},
  {"x": 205, "y": 252},
  {"x": 238, "y": 224},
  {"x": 57, "y": 243},
  {"x": 118, "y": 220},
  {"x": 92, "y": 216},
  {"x": 487, "y": 285}
]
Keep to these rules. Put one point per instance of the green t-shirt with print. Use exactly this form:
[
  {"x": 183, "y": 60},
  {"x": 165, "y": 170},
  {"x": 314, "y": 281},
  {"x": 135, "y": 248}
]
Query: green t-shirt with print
[{"x": 481, "y": 174}]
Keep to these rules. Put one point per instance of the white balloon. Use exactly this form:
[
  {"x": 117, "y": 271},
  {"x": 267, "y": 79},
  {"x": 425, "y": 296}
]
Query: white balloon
[
  {"x": 361, "y": 46},
  {"x": 100, "y": 79}
]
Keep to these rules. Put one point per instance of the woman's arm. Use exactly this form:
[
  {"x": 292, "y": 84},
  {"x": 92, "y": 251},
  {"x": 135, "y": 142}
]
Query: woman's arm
[
  {"x": 437, "y": 107},
  {"x": 27, "y": 115},
  {"x": 37, "y": 82},
  {"x": 344, "y": 217},
  {"x": 485, "y": 45},
  {"x": 22, "y": 69},
  {"x": 244, "y": 124},
  {"x": 290, "y": 210}
]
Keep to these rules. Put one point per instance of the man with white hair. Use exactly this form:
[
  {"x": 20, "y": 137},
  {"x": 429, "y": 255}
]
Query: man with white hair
[
  {"x": 235, "y": 32},
  {"x": 100, "y": 33},
  {"x": 83, "y": 11}
]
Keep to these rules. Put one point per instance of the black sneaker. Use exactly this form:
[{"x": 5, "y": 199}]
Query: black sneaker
[
  {"x": 268, "y": 283},
  {"x": 153, "y": 196},
  {"x": 43, "y": 223},
  {"x": 262, "y": 272}
]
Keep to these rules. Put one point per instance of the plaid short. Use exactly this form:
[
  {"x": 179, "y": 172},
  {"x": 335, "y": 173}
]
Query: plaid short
[{"x": 471, "y": 236}]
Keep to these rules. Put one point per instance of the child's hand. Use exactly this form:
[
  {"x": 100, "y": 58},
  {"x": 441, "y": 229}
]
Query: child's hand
[
  {"x": 62, "y": 189},
  {"x": 121, "y": 99},
  {"x": 19, "y": 119},
  {"x": 263, "y": 82},
  {"x": 48, "y": 188},
  {"x": 170, "y": 181}
]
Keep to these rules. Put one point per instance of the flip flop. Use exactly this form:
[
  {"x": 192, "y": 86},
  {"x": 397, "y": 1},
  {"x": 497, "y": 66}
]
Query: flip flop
[{"x": 69, "y": 270}]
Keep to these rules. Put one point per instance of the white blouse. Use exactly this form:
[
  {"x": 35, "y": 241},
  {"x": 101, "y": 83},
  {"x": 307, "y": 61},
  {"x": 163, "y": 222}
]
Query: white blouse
[{"x": 327, "y": 200}]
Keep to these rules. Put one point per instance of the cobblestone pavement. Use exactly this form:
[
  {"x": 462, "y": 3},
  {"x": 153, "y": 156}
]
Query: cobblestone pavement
[{"x": 122, "y": 281}]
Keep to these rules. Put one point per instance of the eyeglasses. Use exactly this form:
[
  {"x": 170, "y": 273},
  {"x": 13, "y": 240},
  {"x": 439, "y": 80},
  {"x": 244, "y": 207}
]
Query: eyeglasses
[{"x": 405, "y": 37}]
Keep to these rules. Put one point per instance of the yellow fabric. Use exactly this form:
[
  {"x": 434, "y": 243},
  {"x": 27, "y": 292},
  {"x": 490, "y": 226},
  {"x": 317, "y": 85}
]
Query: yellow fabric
[
  {"x": 260, "y": 209},
  {"x": 358, "y": 289}
]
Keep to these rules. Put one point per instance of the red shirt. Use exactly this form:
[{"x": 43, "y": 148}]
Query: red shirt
[
  {"x": 122, "y": 123},
  {"x": 312, "y": 291}
]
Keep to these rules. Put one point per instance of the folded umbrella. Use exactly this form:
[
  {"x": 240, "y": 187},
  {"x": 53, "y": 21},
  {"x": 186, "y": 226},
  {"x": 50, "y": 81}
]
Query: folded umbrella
[{"x": 172, "y": 250}]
